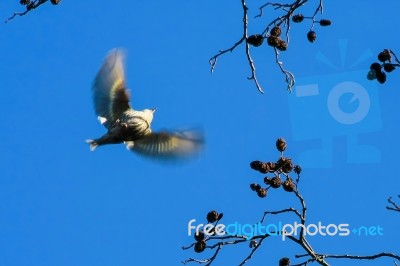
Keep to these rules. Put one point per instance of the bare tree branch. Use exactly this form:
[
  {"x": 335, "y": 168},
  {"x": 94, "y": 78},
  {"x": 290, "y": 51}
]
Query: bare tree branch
[
  {"x": 272, "y": 36},
  {"x": 31, "y": 5},
  {"x": 283, "y": 167},
  {"x": 353, "y": 257}
]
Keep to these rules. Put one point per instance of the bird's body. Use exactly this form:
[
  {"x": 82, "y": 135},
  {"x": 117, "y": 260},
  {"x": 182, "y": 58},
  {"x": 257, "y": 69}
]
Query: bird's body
[
  {"x": 135, "y": 124},
  {"x": 129, "y": 126}
]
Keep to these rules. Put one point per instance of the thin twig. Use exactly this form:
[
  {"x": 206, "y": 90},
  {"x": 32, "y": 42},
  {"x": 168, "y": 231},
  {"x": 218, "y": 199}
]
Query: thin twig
[
  {"x": 213, "y": 60},
  {"x": 252, "y": 252},
  {"x": 320, "y": 8},
  {"x": 394, "y": 206},
  {"x": 356, "y": 257},
  {"x": 291, "y": 209},
  {"x": 395, "y": 57},
  {"x": 31, "y": 6},
  {"x": 251, "y": 63},
  {"x": 289, "y": 77}
]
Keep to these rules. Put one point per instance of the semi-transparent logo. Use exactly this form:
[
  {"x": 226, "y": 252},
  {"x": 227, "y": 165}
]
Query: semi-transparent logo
[{"x": 340, "y": 103}]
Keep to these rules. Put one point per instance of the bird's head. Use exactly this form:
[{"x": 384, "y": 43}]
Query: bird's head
[{"x": 148, "y": 113}]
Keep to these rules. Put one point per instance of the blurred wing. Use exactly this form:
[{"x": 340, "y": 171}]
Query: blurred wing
[
  {"x": 110, "y": 95},
  {"x": 168, "y": 145}
]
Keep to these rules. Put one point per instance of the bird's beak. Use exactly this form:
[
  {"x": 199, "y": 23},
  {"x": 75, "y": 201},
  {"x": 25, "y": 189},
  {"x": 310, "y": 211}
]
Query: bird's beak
[{"x": 154, "y": 109}]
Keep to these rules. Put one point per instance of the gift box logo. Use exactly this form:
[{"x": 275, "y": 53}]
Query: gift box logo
[{"x": 342, "y": 103}]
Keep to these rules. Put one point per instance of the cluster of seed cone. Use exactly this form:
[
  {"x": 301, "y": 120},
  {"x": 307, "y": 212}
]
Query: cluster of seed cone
[
  {"x": 31, "y": 4},
  {"x": 274, "y": 39},
  {"x": 282, "y": 167},
  {"x": 212, "y": 217},
  {"x": 311, "y": 35},
  {"x": 376, "y": 68}
]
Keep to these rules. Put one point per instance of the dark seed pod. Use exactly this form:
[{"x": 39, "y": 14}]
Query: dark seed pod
[
  {"x": 288, "y": 185},
  {"x": 275, "y": 182},
  {"x": 371, "y": 74},
  {"x": 281, "y": 144},
  {"x": 282, "y": 45},
  {"x": 384, "y": 56},
  {"x": 255, "y": 187},
  {"x": 259, "y": 166},
  {"x": 253, "y": 243},
  {"x": 325, "y": 22},
  {"x": 212, "y": 216},
  {"x": 284, "y": 262},
  {"x": 280, "y": 162},
  {"x": 297, "y": 18},
  {"x": 30, "y": 6},
  {"x": 375, "y": 66},
  {"x": 311, "y": 36},
  {"x": 297, "y": 169},
  {"x": 271, "y": 167},
  {"x": 262, "y": 192},
  {"x": 24, "y": 2},
  {"x": 288, "y": 166},
  {"x": 273, "y": 41},
  {"x": 200, "y": 246},
  {"x": 381, "y": 77},
  {"x": 256, "y": 165},
  {"x": 255, "y": 40},
  {"x": 389, "y": 67},
  {"x": 200, "y": 236},
  {"x": 55, "y": 2},
  {"x": 275, "y": 31},
  {"x": 220, "y": 216},
  {"x": 285, "y": 164}
]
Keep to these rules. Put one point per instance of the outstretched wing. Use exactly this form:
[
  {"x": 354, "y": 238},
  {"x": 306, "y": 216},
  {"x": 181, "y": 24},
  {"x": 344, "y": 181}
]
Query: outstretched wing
[
  {"x": 168, "y": 145},
  {"x": 110, "y": 95}
]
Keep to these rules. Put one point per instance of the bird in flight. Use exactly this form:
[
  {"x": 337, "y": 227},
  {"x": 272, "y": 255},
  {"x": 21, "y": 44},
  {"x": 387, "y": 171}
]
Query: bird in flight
[{"x": 133, "y": 127}]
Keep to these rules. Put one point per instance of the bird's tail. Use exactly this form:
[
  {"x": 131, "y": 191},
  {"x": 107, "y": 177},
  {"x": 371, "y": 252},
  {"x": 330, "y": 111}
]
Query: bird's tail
[{"x": 93, "y": 144}]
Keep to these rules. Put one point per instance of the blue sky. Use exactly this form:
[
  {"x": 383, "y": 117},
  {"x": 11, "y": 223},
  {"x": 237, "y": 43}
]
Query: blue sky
[{"x": 61, "y": 204}]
